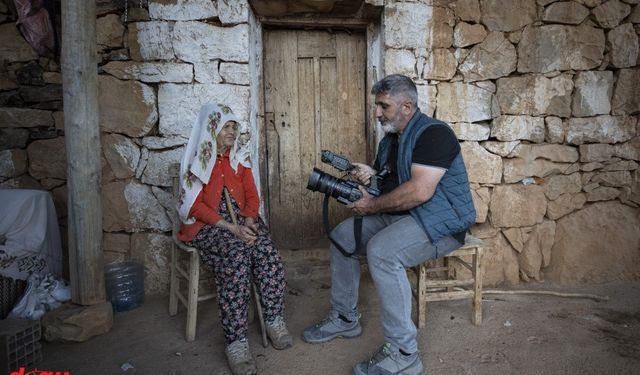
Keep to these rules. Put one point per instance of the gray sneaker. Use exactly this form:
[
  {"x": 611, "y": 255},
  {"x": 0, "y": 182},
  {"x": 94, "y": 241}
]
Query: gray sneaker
[
  {"x": 330, "y": 328},
  {"x": 239, "y": 358},
  {"x": 278, "y": 333},
  {"x": 389, "y": 361}
]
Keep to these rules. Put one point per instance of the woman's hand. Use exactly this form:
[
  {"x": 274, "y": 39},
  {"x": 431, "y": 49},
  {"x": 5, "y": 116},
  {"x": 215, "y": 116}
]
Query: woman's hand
[
  {"x": 244, "y": 233},
  {"x": 251, "y": 223}
]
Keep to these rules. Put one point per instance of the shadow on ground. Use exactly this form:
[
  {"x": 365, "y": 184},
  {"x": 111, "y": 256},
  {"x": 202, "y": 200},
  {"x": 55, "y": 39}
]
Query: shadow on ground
[{"x": 520, "y": 334}]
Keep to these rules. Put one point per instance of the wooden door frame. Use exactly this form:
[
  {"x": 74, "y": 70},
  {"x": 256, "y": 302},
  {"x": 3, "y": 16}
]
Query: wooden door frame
[{"x": 374, "y": 71}]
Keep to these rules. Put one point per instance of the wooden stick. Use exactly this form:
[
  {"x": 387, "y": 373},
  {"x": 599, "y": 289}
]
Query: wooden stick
[
  {"x": 547, "y": 292},
  {"x": 227, "y": 198}
]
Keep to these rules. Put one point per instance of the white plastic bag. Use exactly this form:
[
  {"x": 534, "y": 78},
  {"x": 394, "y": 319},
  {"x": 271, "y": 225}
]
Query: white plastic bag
[{"x": 43, "y": 293}]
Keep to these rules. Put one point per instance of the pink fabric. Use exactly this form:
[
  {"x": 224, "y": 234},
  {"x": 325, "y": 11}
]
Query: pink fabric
[{"x": 35, "y": 25}]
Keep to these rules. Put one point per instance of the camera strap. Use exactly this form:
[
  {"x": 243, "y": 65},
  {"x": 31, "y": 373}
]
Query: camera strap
[{"x": 357, "y": 229}]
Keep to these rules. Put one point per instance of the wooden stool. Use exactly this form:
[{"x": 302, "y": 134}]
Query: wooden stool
[
  {"x": 189, "y": 271},
  {"x": 428, "y": 290}
]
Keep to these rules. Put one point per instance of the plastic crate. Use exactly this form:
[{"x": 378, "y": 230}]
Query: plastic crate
[
  {"x": 10, "y": 293},
  {"x": 19, "y": 344}
]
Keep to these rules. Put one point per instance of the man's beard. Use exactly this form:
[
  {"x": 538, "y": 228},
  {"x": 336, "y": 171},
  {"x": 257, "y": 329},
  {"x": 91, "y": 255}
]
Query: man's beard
[{"x": 388, "y": 128}]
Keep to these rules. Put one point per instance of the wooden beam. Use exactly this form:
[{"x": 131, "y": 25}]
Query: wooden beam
[{"x": 82, "y": 140}]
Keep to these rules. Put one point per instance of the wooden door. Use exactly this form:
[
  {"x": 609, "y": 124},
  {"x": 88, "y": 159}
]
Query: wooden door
[{"x": 314, "y": 100}]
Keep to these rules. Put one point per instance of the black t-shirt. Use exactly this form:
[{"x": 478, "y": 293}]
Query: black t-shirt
[{"x": 437, "y": 147}]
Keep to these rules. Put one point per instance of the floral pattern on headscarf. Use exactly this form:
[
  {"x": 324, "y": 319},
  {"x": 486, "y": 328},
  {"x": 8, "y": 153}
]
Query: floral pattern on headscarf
[{"x": 198, "y": 160}]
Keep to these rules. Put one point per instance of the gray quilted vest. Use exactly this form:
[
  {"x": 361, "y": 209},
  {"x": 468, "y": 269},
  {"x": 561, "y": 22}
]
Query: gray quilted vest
[{"x": 450, "y": 210}]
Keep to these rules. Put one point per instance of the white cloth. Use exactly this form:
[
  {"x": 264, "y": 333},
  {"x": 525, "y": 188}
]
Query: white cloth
[
  {"x": 44, "y": 293},
  {"x": 200, "y": 155},
  {"x": 31, "y": 236}
]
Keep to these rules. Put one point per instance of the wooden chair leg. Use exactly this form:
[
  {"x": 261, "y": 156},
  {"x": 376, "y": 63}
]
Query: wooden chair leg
[
  {"x": 450, "y": 271},
  {"x": 263, "y": 329},
  {"x": 192, "y": 297},
  {"x": 476, "y": 318},
  {"x": 173, "y": 286},
  {"x": 422, "y": 296}
]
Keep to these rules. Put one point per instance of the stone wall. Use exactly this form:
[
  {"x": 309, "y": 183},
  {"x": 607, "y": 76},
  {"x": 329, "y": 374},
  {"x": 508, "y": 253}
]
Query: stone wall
[{"x": 544, "y": 95}]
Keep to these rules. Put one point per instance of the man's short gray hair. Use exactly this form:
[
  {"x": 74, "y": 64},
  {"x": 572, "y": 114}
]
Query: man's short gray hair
[{"x": 396, "y": 84}]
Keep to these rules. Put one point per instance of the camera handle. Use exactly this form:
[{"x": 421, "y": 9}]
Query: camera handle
[{"x": 357, "y": 230}]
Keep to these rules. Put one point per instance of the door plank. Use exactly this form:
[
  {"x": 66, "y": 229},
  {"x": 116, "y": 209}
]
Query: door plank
[{"x": 314, "y": 92}]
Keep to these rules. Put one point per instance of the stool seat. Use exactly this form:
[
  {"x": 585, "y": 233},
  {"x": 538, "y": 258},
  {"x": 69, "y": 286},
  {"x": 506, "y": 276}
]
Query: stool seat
[{"x": 450, "y": 287}]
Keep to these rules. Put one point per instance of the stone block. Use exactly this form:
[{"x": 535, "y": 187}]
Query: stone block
[
  {"x": 513, "y": 15},
  {"x": 440, "y": 66},
  {"x": 24, "y": 118},
  {"x": 513, "y": 128},
  {"x": 624, "y": 46},
  {"x": 626, "y": 95},
  {"x": 150, "y": 71},
  {"x": 471, "y": 132},
  {"x": 494, "y": 58},
  {"x": 517, "y": 205},
  {"x": 574, "y": 47},
  {"x": 131, "y": 206},
  {"x": 182, "y": 10},
  {"x": 466, "y": 10},
  {"x": 233, "y": 11},
  {"x": 592, "y": 93},
  {"x": 500, "y": 148},
  {"x": 611, "y": 13},
  {"x": 466, "y": 34},
  {"x": 462, "y": 102},
  {"x": 566, "y": 12},
  {"x": 407, "y": 25},
  {"x": 155, "y": 173},
  {"x": 198, "y": 42},
  {"x": 535, "y": 95},
  {"x": 600, "y": 129},
  {"x": 77, "y": 323},
  {"x": 482, "y": 166},
  {"x": 13, "y": 47},
  {"x": 179, "y": 104},
  {"x": 47, "y": 158},
  {"x": 400, "y": 61},
  {"x": 109, "y": 32},
  {"x": 13, "y": 163},
  {"x": 234, "y": 73},
  {"x": 121, "y": 153},
  {"x": 151, "y": 40},
  {"x": 577, "y": 255},
  {"x": 565, "y": 204},
  {"x": 154, "y": 250},
  {"x": 126, "y": 107}
]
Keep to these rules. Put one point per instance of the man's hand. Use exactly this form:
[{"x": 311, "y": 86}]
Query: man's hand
[
  {"x": 362, "y": 173},
  {"x": 365, "y": 205}
]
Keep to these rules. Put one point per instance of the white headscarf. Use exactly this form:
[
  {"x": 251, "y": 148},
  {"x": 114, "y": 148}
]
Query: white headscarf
[{"x": 200, "y": 155}]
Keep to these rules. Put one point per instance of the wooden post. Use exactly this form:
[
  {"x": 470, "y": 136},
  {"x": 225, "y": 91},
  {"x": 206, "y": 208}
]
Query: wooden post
[{"x": 82, "y": 141}]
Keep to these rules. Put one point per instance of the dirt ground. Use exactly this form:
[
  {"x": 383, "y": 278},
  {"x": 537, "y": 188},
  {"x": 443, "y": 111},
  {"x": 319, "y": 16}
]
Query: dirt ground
[{"x": 520, "y": 334}]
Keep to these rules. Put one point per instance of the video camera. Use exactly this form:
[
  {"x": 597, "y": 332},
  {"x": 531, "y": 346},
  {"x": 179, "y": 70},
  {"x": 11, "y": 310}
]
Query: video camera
[{"x": 345, "y": 191}]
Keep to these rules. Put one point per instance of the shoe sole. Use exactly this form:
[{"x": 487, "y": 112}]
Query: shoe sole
[
  {"x": 411, "y": 370},
  {"x": 344, "y": 334},
  {"x": 281, "y": 347}
]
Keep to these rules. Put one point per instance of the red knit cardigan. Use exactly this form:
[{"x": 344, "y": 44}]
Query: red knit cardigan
[{"x": 205, "y": 209}]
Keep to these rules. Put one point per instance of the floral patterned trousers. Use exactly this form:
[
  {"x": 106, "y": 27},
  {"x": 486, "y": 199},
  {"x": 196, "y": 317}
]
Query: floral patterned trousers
[{"x": 234, "y": 263}]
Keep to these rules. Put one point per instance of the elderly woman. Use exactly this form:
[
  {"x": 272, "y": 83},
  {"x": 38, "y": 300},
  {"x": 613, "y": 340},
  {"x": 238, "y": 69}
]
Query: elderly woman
[{"x": 219, "y": 210}]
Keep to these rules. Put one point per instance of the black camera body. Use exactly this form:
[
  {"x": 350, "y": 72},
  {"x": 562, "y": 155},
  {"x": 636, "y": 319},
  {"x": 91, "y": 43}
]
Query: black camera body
[{"x": 345, "y": 191}]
